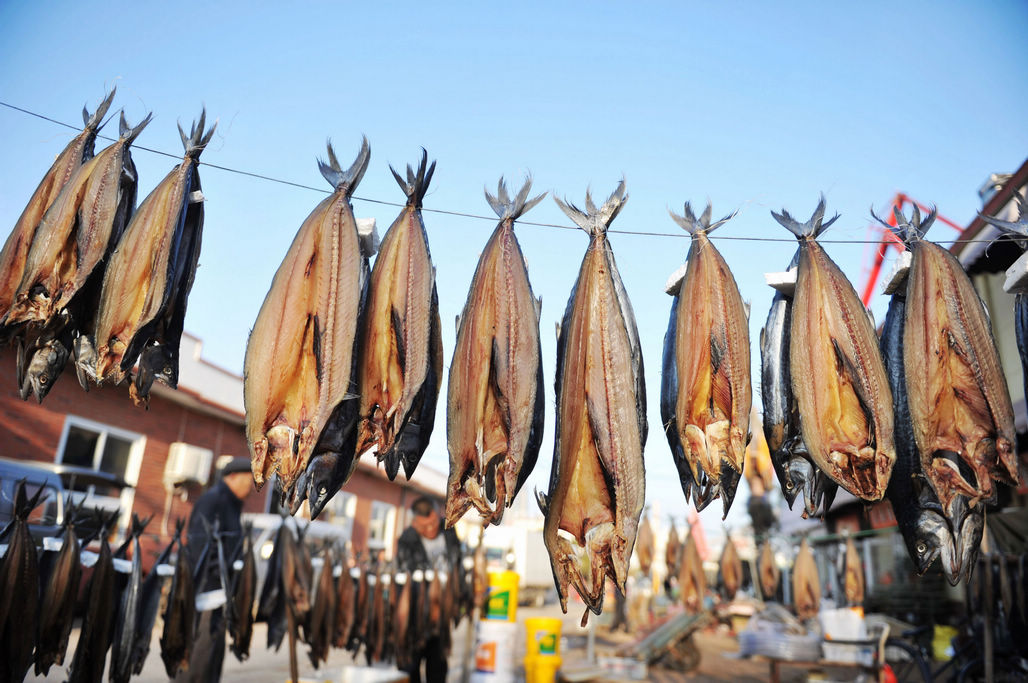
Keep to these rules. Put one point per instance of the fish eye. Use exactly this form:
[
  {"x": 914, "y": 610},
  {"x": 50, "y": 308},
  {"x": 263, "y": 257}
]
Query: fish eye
[
  {"x": 42, "y": 379},
  {"x": 922, "y": 547},
  {"x": 789, "y": 485}
]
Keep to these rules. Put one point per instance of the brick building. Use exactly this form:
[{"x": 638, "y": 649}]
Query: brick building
[{"x": 200, "y": 422}]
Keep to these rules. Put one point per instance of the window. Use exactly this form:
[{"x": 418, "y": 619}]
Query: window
[
  {"x": 116, "y": 452},
  {"x": 380, "y": 526}
]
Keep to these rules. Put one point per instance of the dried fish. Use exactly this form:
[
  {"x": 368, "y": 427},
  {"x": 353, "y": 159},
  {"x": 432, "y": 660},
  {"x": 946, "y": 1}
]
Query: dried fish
[
  {"x": 672, "y": 551},
  {"x": 150, "y": 603},
  {"x": 854, "y": 576},
  {"x": 692, "y": 582},
  {"x": 769, "y": 572},
  {"x": 19, "y": 590},
  {"x": 179, "y": 615},
  {"x": 597, "y": 479},
  {"x": 644, "y": 545},
  {"x": 240, "y": 616},
  {"x": 128, "y": 613},
  {"x": 730, "y": 569},
  {"x": 300, "y": 367},
  {"x": 838, "y": 378},
  {"x": 147, "y": 281},
  {"x": 401, "y": 621},
  {"x": 60, "y": 592},
  {"x": 344, "y": 604},
  {"x": 712, "y": 360},
  {"x": 321, "y": 619},
  {"x": 402, "y": 353},
  {"x": 78, "y": 151},
  {"x": 95, "y": 635},
  {"x": 494, "y": 416},
  {"x": 806, "y": 586}
]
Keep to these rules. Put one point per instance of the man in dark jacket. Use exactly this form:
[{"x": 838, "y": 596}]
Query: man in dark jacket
[
  {"x": 220, "y": 507},
  {"x": 426, "y": 545}
]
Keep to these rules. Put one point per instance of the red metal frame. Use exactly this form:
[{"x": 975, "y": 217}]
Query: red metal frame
[{"x": 900, "y": 200}]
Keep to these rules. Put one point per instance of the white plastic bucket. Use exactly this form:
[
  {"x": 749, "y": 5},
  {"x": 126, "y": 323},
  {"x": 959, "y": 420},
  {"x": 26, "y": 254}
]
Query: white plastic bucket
[{"x": 494, "y": 652}]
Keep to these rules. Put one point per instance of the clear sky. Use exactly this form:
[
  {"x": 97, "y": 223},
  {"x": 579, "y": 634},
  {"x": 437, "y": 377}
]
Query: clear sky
[{"x": 755, "y": 106}]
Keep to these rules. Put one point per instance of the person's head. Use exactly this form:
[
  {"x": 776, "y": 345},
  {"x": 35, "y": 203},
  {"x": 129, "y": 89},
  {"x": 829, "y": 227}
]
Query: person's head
[
  {"x": 237, "y": 477},
  {"x": 426, "y": 519}
]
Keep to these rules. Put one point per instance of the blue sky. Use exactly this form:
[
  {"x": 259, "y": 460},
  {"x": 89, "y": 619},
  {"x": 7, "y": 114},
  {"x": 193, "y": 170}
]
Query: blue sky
[{"x": 755, "y": 106}]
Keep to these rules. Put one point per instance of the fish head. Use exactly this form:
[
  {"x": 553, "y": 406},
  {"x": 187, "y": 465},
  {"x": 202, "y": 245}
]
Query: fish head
[
  {"x": 799, "y": 476},
  {"x": 933, "y": 539},
  {"x": 47, "y": 363},
  {"x": 318, "y": 483}
]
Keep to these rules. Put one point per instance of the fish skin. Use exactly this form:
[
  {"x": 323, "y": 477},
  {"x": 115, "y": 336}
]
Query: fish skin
[
  {"x": 19, "y": 591},
  {"x": 15, "y": 250},
  {"x": 150, "y": 604},
  {"x": 854, "y": 575},
  {"x": 95, "y": 635},
  {"x": 668, "y": 400},
  {"x": 149, "y": 274},
  {"x": 712, "y": 357},
  {"x": 344, "y": 604},
  {"x": 128, "y": 614},
  {"x": 57, "y": 608},
  {"x": 730, "y": 569},
  {"x": 964, "y": 406},
  {"x": 597, "y": 480},
  {"x": 769, "y": 573},
  {"x": 692, "y": 582},
  {"x": 401, "y": 621},
  {"x": 360, "y": 611},
  {"x": 179, "y": 616},
  {"x": 494, "y": 416},
  {"x": 806, "y": 585},
  {"x": 377, "y": 645},
  {"x": 244, "y": 587},
  {"x": 322, "y": 614},
  {"x": 299, "y": 368},
  {"x": 837, "y": 374},
  {"x": 401, "y": 343}
]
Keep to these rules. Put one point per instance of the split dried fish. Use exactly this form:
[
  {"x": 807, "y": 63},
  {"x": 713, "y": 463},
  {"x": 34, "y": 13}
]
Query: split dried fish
[
  {"x": 644, "y": 545},
  {"x": 244, "y": 587},
  {"x": 494, "y": 415},
  {"x": 128, "y": 614},
  {"x": 597, "y": 480},
  {"x": 838, "y": 377},
  {"x": 770, "y": 575},
  {"x": 146, "y": 285},
  {"x": 179, "y": 615},
  {"x": 401, "y": 367},
  {"x": 692, "y": 582},
  {"x": 712, "y": 364},
  {"x": 60, "y": 593},
  {"x": 853, "y": 583},
  {"x": 730, "y": 569},
  {"x": 806, "y": 586},
  {"x": 300, "y": 359},
  {"x": 19, "y": 590},
  {"x": 672, "y": 551},
  {"x": 95, "y": 635}
]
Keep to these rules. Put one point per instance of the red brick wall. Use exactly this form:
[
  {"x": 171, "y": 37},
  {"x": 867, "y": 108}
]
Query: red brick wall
[
  {"x": 31, "y": 431},
  {"x": 370, "y": 484}
]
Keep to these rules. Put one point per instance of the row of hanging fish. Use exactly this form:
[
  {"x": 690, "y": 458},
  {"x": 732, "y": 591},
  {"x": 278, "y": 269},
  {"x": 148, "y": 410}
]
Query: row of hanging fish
[
  {"x": 87, "y": 275},
  {"x": 119, "y": 604},
  {"x": 345, "y": 359},
  {"x": 368, "y": 608}
]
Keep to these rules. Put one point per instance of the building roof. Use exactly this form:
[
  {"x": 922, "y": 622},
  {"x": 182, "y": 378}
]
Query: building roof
[{"x": 999, "y": 205}]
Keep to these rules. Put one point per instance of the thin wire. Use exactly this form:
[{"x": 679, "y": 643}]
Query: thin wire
[{"x": 640, "y": 233}]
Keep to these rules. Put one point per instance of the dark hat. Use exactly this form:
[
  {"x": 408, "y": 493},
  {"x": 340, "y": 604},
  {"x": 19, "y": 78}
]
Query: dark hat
[{"x": 239, "y": 464}]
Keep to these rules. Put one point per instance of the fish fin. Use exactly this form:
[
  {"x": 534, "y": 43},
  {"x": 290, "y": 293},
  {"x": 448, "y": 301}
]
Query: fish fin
[
  {"x": 693, "y": 225},
  {"x": 507, "y": 209},
  {"x": 95, "y": 121},
  {"x": 347, "y": 180},
  {"x": 813, "y": 227},
  {"x": 498, "y": 371},
  {"x": 127, "y": 132},
  {"x": 416, "y": 184},
  {"x": 401, "y": 351},
  {"x": 197, "y": 140},
  {"x": 542, "y": 501},
  {"x": 596, "y": 221},
  {"x": 538, "y": 309},
  {"x": 456, "y": 323},
  {"x": 717, "y": 353}
]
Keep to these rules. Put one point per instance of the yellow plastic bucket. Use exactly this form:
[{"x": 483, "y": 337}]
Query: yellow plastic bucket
[
  {"x": 502, "y": 603},
  {"x": 543, "y": 637},
  {"x": 541, "y": 669}
]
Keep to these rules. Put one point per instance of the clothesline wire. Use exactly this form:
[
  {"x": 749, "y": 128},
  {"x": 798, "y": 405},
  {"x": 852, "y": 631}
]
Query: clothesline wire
[{"x": 280, "y": 181}]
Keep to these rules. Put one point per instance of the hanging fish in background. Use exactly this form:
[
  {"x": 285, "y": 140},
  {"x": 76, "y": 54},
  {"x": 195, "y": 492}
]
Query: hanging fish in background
[
  {"x": 1019, "y": 231},
  {"x": 78, "y": 151},
  {"x": 692, "y": 582},
  {"x": 344, "y": 603},
  {"x": 244, "y": 587},
  {"x": 770, "y": 575},
  {"x": 98, "y": 624},
  {"x": 401, "y": 621},
  {"x": 672, "y": 551},
  {"x": 19, "y": 590},
  {"x": 806, "y": 586},
  {"x": 146, "y": 285},
  {"x": 926, "y": 529},
  {"x": 838, "y": 378},
  {"x": 730, "y": 569},
  {"x": 128, "y": 614},
  {"x": 644, "y": 545},
  {"x": 179, "y": 615},
  {"x": 60, "y": 591},
  {"x": 712, "y": 363},
  {"x": 300, "y": 367},
  {"x": 960, "y": 407},
  {"x": 854, "y": 575},
  {"x": 494, "y": 414},
  {"x": 150, "y": 603},
  {"x": 793, "y": 466},
  {"x": 597, "y": 480},
  {"x": 321, "y": 620},
  {"x": 401, "y": 366}
]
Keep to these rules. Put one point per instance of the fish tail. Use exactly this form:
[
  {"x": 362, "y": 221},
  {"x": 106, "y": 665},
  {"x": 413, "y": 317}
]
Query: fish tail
[
  {"x": 127, "y": 132},
  {"x": 689, "y": 222},
  {"x": 94, "y": 121},
  {"x": 596, "y": 221},
  {"x": 512, "y": 209},
  {"x": 197, "y": 139},
  {"x": 416, "y": 184},
  {"x": 812, "y": 228},
  {"x": 908, "y": 230},
  {"x": 347, "y": 180}
]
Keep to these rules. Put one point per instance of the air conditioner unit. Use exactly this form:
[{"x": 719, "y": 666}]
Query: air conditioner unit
[{"x": 187, "y": 464}]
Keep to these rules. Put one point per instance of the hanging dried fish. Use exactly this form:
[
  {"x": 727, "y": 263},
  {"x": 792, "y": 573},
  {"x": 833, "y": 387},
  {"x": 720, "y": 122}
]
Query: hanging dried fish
[
  {"x": 644, "y": 545},
  {"x": 730, "y": 570},
  {"x": 150, "y": 603},
  {"x": 147, "y": 281},
  {"x": 854, "y": 576},
  {"x": 769, "y": 572},
  {"x": 321, "y": 619},
  {"x": 19, "y": 590},
  {"x": 672, "y": 551},
  {"x": 597, "y": 479},
  {"x": 959, "y": 403},
  {"x": 494, "y": 415},
  {"x": 179, "y": 615},
  {"x": 401, "y": 367},
  {"x": 712, "y": 363},
  {"x": 692, "y": 582},
  {"x": 838, "y": 378},
  {"x": 806, "y": 586},
  {"x": 244, "y": 587},
  {"x": 401, "y": 621},
  {"x": 300, "y": 367},
  {"x": 60, "y": 592},
  {"x": 344, "y": 603},
  {"x": 793, "y": 466},
  {"x": 128, "y": 614},
  {"x": 95, "y": 635},
  {"x": 78, "y": 151}
]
